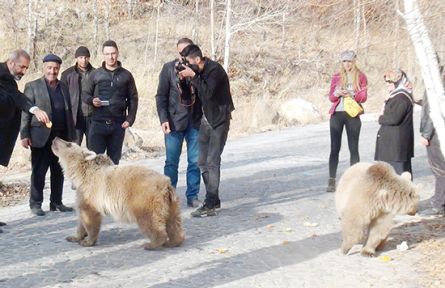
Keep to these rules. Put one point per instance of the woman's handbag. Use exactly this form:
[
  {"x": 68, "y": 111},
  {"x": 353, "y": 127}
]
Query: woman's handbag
[{"x": 352, "y": 107}]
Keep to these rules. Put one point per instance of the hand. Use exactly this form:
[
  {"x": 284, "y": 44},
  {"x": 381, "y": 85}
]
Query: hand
[
  {"x": 125, "y": 125},
  {"x": 187, "y": 72},
  {"x": 165, "y": 127},
  {"x": 26, "y": 143},
  {"x": 96, "y": 102},
  {"x": 424, "y": 141},
  {"x": 41, "y": 115}
]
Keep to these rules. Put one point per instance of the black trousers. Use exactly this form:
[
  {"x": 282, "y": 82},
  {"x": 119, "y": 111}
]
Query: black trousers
[
  {"x": 82, "y": 127},
  {"x": 211, "y": 146},
  {"x": 401, "y": 166},
  {"x": 437, "y": 164},
  {"x": 42, "y": 159},
  {"x": 338, "y": 121},
  {"x": 107, "y": 135}
]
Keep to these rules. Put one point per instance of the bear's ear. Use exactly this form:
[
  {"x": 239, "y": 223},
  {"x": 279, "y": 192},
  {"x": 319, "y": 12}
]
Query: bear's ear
[
  {"x": 406, "y": 175},
  {"x": 90, "y": 156}
]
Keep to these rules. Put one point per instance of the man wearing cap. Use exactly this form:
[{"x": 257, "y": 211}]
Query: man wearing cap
[
  {"x": 12, "y": 102},
  {"x": 53, "y": 96},
  {"x": 75, "y": 78},
  {"x": 112, "y": 92}
]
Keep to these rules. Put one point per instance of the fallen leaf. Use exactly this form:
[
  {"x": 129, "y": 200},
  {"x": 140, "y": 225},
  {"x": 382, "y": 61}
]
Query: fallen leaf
[
  {"x": 222, "y": 250},
  {"x": 385, "y": 258}
]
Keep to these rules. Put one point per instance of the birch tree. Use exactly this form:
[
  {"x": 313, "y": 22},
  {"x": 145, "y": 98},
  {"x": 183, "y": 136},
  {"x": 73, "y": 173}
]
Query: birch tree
[
  {"x": 212, "y": 29},
  {"x": 429, "y": 67},
  {"x": 228, "y": 35}
]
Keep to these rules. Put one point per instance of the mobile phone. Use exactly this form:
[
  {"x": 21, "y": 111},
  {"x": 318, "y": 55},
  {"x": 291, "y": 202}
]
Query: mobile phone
[{"x": 104, "y": 103}]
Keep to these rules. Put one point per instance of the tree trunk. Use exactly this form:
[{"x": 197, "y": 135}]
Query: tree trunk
[
  {"x": 158, "y": 16},
  {"x": 357, "y": 15},
  {"x": 95, "y": 27},
  {"x": 212, "y": 29},
  {"x": 429, "y": 67},
  {"x": 107, "y": 19},
  {"x": 228, "y": 35}
]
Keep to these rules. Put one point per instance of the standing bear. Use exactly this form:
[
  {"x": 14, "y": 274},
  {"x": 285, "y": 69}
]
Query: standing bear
[
  {"x": 129, "y": 193},
  {"x": 368, "y": 197}
]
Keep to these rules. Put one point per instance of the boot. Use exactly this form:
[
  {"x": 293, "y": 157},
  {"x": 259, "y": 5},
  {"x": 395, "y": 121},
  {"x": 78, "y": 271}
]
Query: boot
[{"x": 331, "y": 185}]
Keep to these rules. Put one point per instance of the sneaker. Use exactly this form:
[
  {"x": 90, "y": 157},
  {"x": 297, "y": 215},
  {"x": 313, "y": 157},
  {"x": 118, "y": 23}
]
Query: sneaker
[
  {"x": 193, "y": 203},
  {"x": 37, "y": 211},
  {"x": 331, "y": 185},
  {"x": 60, "y": 207},
  {"x": 204, "y": 211},
  {"x": 2, "y": 224}
]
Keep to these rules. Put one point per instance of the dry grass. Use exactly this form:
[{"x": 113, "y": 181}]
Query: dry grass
[{"x": 264, "y": 71}]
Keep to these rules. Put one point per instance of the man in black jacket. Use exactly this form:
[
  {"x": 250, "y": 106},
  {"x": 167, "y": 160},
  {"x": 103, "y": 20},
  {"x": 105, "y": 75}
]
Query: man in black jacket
[
  {"x": 112, "y": 92},
  {"x": 12, "y": 102},
  {"x": 212, "y": 84},
  {"x": 180, "y": 115},
  {"x": 75, "y": 78}
]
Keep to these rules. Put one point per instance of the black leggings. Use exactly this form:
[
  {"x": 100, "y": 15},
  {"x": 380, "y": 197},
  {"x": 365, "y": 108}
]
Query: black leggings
[{"x": 353, "y": 125}]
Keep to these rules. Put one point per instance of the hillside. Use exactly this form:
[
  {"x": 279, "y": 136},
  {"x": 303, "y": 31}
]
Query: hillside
[{"x": 280, "y": 50}]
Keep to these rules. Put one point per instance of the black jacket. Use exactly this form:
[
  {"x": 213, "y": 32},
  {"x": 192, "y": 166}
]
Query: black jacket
[
  {"x": 168, "y": 101},
  {"x": 12, "y": 101},
  {"x": 395, "y": 138},
  {"x": 116, "y": 86},
  {"x": 213, "y": 88},
  {"x": 37, "y": 92},
  {"x": 71, "y": 78}
]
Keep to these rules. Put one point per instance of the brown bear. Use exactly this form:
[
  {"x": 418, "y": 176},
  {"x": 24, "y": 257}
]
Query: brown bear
[
  {"x": 367, "y": 198},
  {"x": 131, "y": 193}
]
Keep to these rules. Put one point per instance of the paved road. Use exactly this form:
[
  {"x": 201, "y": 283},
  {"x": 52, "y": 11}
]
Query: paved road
[{"x": 277, "y": 228}]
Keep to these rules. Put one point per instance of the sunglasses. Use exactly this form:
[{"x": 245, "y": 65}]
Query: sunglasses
[{"x": 347, "y": 61}]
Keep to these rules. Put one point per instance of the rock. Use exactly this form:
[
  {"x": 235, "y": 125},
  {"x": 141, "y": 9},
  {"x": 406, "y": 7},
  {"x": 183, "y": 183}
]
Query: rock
[{"x": 298, "y": 111}]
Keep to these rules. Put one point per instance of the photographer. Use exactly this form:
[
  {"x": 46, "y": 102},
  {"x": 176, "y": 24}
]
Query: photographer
[
  {"x": 180, "y": 115},
  {"x": 212, "y": 83}
]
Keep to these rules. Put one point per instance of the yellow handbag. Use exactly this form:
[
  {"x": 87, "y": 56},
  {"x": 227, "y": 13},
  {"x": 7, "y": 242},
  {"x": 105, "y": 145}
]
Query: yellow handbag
[{"x": 352, "y": 107}]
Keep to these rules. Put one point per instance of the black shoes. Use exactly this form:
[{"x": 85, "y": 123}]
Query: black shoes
[
  {"x": 204, "y": 211},
  {"x": 331, "y": 185},
  {"x": 2, "y": 224},
  {"x": 60, "y": 207},
  {"x": 37, "y": 211}
]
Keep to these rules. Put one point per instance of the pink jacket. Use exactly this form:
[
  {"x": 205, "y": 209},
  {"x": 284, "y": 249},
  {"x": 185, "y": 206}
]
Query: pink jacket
[{"x": 360, "y": 95}]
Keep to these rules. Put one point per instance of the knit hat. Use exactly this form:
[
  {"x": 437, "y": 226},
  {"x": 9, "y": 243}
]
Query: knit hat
[
  {"x": 110, "y": 43},
  {"x": 82, "y": 51},
  {"x": 52, "y": 58},
  {"x": 348, "y": 55}
]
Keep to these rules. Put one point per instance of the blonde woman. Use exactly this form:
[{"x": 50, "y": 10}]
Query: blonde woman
[{"x": 349, "y": 82}]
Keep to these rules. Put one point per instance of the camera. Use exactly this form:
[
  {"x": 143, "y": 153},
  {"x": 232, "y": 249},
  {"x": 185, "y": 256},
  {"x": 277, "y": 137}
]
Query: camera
[{"x": 179, "y": 63}]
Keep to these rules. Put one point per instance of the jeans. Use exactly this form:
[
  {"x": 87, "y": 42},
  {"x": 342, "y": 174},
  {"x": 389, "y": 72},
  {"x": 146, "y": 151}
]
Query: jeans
[
  {"x": 173, "y": 147},
  {"x": 211, "y": 146},
  {"x": 401, "y": 166},
  {"x": 107, "y": 135},
  {"x": 353, "y": 125},
  {"x": 42, "y": 159}
]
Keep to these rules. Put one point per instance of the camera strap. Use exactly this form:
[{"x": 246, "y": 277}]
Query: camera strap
[{"x": 182, "y": 101}]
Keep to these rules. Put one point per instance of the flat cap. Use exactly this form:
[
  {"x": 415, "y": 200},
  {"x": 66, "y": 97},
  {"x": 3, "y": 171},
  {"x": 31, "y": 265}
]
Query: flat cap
[{"x": 52, "y": 58}]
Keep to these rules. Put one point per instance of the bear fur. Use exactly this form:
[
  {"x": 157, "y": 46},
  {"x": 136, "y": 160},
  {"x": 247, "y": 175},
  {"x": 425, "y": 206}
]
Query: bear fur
[
  {"x": 131, "y": 194},
  {"x": 367, "y": 198}
]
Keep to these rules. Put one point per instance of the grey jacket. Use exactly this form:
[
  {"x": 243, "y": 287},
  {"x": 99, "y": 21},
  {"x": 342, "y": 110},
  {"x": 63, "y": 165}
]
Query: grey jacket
[
  {"x": 37, "y": 92},
  {"x": 426, "y": 124}
]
